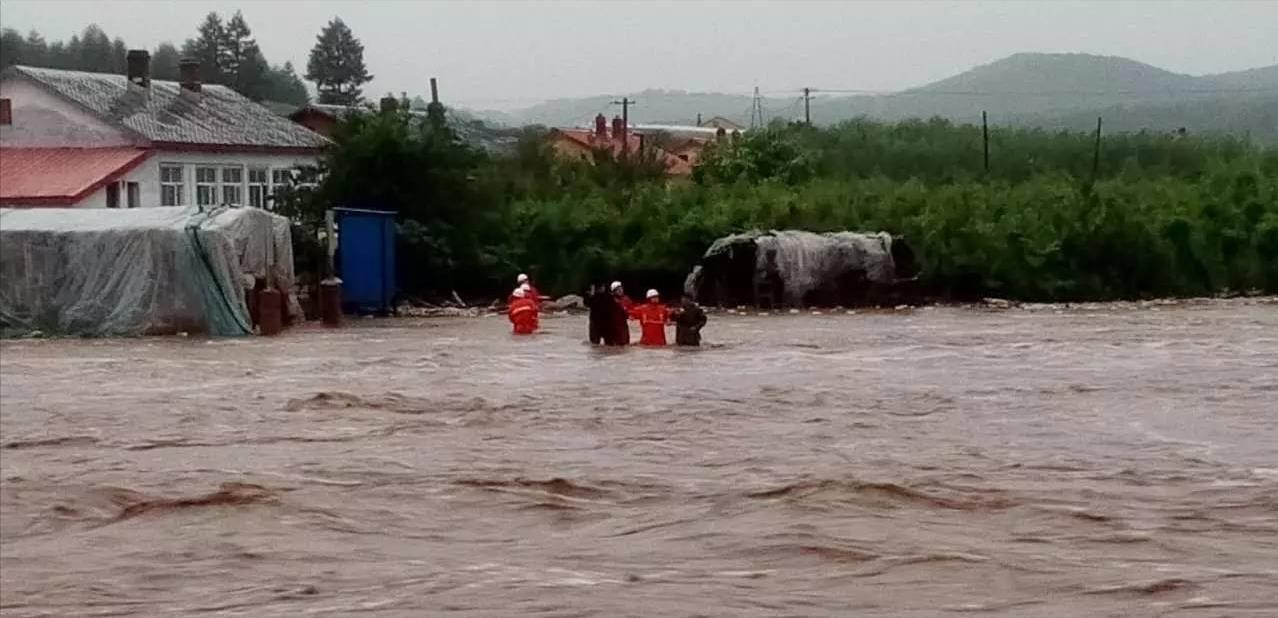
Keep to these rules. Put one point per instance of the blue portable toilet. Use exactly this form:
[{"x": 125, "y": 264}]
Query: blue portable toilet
[{"x": 366, "y": 259}]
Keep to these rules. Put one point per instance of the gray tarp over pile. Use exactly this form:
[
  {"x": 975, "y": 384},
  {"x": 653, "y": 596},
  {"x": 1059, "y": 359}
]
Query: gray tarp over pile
[
  {"x": 808, "y": 261},
  {"x": 98, "y": 272}
]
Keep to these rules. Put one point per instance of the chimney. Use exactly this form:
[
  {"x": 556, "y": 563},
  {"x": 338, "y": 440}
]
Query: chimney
[
  {"x": 618, "y": 128},
  {"x": 189, "y": 74},
  {"x": 389, "y": 104},
  {"x": 698, "y": 118},
  {"x": 139, "y": 67},
  {"x": 601, "y": 127}
]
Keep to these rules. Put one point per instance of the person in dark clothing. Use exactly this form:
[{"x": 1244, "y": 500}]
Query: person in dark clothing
[
  {"x": 603, "y": 311},
  {"x": 689, "y": 320},
  {"x": 621, "y": 324}
]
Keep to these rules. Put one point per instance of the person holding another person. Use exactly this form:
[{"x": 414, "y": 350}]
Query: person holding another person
[
  {"x": 523, "y": 313},
  {"x": 689, "y": 319},
  {"x": 620, "y": 327},
  {"x": 653, "y": 317}
]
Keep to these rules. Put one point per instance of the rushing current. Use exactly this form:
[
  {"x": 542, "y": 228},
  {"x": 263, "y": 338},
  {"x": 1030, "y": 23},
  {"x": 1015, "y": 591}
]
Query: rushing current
[{"x": 1105, "y": 460}]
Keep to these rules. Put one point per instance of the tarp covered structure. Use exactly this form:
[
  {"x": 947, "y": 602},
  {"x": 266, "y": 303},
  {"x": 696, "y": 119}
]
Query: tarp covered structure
[
  {"x": 794, "y": 267},
  {"x": 99, "y": 272}
]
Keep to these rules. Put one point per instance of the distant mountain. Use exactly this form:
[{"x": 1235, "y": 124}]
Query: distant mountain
[{"x": 1038, "y": 89}]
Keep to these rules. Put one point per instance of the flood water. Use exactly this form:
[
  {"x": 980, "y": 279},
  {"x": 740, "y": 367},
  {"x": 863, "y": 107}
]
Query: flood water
[{"x": 1103, "y": 461}]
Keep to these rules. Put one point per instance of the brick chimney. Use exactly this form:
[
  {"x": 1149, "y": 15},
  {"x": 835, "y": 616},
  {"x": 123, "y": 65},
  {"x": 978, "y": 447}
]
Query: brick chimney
[
  {"x": 189, "y": 74},
  {"x": 601, "y": 127},
  {"x": 618, "y": 128},
  {"x": 139, "y": 67}
]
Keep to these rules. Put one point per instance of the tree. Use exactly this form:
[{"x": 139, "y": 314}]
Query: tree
[
  {"x": 119, "y": 56},
  {"x": 336, "y": 65},
  {"x": 36, "y": 52},
  {"x": 164, "y": 62},
  {"x": 95, "y": 52},
  {"x": 244, "y": 66},
  {"x": 208, "y": 48},
  {"x": 283, "y": 85},
  {"x": 12, "y": 48}
]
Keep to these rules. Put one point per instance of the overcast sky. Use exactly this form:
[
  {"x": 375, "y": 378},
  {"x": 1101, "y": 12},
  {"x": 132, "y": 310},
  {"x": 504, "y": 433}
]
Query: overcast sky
[{"x": 510, "y": 53}]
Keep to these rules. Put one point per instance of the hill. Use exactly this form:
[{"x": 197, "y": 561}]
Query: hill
[{"x": 1038, "y": 89}]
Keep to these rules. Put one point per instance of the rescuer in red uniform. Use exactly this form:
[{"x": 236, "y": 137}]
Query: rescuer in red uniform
[
  {"x": 523, "y": 313},
  {"x": 653, "y": 317}
]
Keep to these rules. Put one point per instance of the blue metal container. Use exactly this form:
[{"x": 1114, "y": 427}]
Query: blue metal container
[{"x": 366, "y": 260}]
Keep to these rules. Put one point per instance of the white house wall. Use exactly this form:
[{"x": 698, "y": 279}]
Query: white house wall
[
  {"x": 43, "y": 120},
  {"x": 148, "y": 173}
]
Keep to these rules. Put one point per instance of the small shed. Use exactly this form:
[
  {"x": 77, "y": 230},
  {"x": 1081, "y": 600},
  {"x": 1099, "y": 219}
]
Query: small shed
[{"x": 366, "y": 260}]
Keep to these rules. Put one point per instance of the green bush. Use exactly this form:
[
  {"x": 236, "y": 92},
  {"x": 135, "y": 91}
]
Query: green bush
[{"x": 1165, "y": 215}]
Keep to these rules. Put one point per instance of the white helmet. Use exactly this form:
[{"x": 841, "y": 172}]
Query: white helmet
[
  {"x": 653, "y": 294},
  {"x": 616, "y": 285},
  {"x": 522, "y": 278},
  {"x": 519, "y": 293}
]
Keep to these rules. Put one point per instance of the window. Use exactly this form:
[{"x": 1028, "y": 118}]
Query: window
[
  {"x": 281, "y": 179},
  {"x": 6, "y": 112},
  {"x": 206, "y": 186},
  {"x": 259, "y": 187},
  {"x": 172, "y": 189},
  {"x": 113, "y": 195},
  {"x": 134, "y": 194},
  {"x": 233, "y": 186}
]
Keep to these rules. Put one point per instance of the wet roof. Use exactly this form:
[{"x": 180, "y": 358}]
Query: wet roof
[
  {"x": 50, "y": 176},
  {"x": 164, "y": 112}
]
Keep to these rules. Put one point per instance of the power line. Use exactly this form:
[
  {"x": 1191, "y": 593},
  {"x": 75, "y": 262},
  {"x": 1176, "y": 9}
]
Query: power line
[{"x": 1043, "y": 92}]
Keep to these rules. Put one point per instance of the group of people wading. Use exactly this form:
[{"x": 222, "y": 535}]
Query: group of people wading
[{"x": 611, "y": 311}]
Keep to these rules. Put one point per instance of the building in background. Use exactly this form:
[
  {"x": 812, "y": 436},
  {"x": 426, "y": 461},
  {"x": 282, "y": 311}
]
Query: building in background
[
  {"x": 95, "y": 140},
  {"x": 678, "y": 152}
]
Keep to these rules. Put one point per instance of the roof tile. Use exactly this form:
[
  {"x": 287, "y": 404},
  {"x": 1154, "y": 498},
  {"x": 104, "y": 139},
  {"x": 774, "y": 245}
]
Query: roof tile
[{"x": 164, "y": 112}]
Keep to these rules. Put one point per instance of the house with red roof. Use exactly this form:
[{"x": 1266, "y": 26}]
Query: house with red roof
[
  {"x": 95, "y": 140},
  {"x": 582, "y": 144}
]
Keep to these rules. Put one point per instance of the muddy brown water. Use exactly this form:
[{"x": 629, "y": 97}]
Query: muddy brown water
[{"x": 1106, "y": 461}]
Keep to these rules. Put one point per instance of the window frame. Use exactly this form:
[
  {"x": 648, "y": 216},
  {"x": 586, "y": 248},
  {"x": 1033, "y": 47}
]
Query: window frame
[
  {"x": 211, "y": 185},
  {"x": 228, "y": 189},
  {"x": 179, "y": 187},
  {"x": 262, "y": 188}
]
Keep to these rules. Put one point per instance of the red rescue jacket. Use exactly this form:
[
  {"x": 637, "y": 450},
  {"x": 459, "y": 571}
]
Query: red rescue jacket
[
  {"x": 653, "y": 318},
  {"x": 523, "y": 315}
]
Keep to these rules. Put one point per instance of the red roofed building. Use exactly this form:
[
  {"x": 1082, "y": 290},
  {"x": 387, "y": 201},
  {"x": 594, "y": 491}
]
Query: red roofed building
[
  {"x": 69, "y": 177},
  {"x": 81, "y": 139},
  {"x": 582, "y": 144}
]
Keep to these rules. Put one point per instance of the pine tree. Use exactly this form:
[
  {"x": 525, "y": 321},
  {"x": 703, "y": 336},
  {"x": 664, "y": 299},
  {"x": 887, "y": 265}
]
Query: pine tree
[
  {"x": 244, "y": 65},
  {"x": 164, "y": 62},
  {"x": 12, "y": 48},
  {"x": 283, "y": 85},
  {"x": 337, "y": 66},
  {"x": 208, "y": 47}
]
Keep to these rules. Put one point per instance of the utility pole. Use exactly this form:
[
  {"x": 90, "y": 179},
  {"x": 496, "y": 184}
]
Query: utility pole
[
  {"x": 756, "y": 111},
  {"x": 807, "y": 106},
  {"x": 985, "y": 132},
  {"x": 1096, "y": 152},
  {"x": 625, "y": 104}
]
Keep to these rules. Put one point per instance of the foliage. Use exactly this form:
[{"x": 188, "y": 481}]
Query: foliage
[
  {"x": 1166, "y": 216},
  {"x": 227, "y": 51},
  {"x": 336, "y": 65}
]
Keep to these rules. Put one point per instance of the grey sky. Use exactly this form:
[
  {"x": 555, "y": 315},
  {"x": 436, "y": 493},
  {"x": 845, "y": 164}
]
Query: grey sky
[{"x": 513, "y": 53}]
